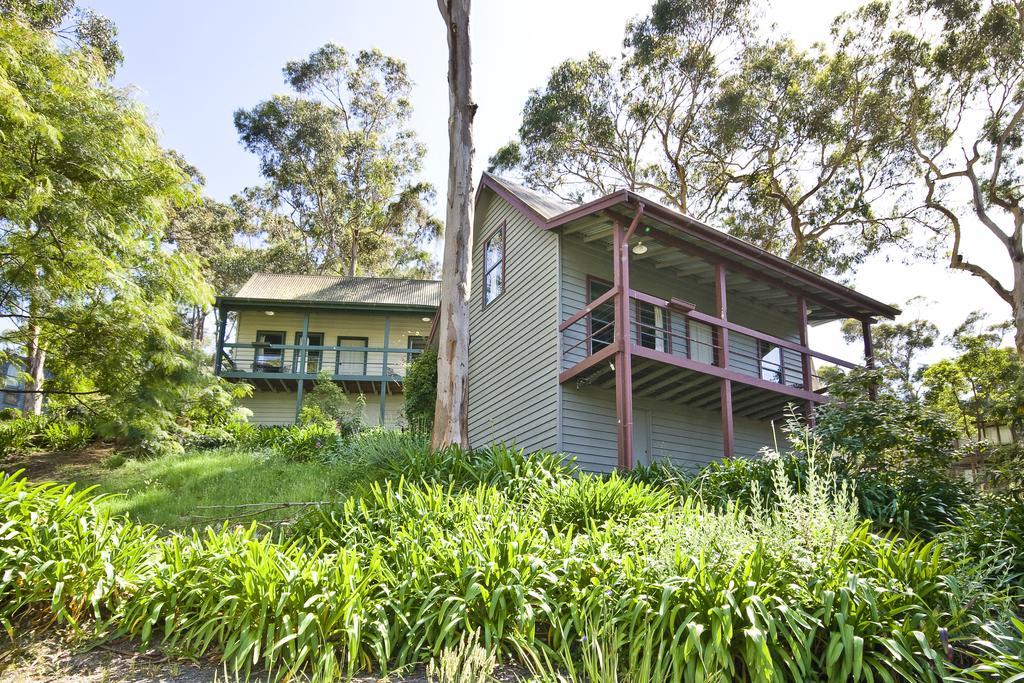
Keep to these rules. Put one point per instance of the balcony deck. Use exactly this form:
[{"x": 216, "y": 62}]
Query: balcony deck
[
  {"x": 281, "y": 367},
  {"x": 680, "y": 355}
]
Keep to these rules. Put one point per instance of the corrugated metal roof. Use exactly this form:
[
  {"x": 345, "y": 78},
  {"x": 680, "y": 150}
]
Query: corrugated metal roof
[
  {"x": 547, "y": 206},
  {"x": 341, "y": 290}
]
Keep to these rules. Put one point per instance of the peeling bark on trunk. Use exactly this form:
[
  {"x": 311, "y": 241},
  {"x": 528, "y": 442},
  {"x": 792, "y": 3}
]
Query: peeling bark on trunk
[
  {"x": 1018, "y": 314},
  {"x": 451, "y": 416},
  {"x": 36, "y": 366}
]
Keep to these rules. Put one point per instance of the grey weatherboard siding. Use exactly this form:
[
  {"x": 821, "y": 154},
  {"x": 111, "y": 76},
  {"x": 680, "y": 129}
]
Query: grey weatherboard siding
[
  {"x": 513, "y": 351},
  {"x": 690, "y": 437},
  {"x": 515, "y": 354}
]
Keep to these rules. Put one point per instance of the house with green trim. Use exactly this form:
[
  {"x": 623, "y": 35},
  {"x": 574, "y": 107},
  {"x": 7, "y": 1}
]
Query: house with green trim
[{"x": 290, "y": 329}]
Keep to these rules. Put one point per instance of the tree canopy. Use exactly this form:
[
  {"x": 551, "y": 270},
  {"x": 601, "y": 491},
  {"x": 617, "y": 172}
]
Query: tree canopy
[
  {"x": 954, "y": 71},
  {"x": 341, "y": 165},
  {"x": 86, "y": 192},
  {"x": 791, "y": 149}
]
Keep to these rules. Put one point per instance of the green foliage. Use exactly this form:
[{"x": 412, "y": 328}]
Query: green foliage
[
  {"x": 76, "y": 27},
  {"x": 897, "y": 348},
  {"x": 1000, "y": 652},
  {"x": 518, "y": 474},
  {"x": 887, "y": 432},
  {"x": 912, "y": 498},
  {"x": 67, "y": 436},
  {"x": 420, "y": 389},
  {"x": 87, "y": 193},
  {"x": 8, "y": 414},
  {"x": 664, "y": 588},
  {"x": 309, "y": 442},
  {"x": 593, "y": 500},
  {"x": 28, "y": 433},
  {"x": 327, "y": 404},
  {"x": 340, "y": 155},
  {"x": 18, "y": 435},
  {"x": 982, "y": 385},
  {"x": 990, "y": 528},
  {"x": 785, "y": 147},
  {"x": 951, "y": 70},
  {"x": 372, "y": 448}
]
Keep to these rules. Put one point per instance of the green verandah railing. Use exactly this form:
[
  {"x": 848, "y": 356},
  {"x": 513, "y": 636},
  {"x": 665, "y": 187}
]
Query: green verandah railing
[{"x": 258, "y": 360}]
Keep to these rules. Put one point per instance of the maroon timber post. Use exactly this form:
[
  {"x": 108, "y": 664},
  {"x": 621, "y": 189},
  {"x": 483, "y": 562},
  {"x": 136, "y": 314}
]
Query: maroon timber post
[
  {"x": 722, "y": 306},
  {"x": 805, "y": 359},
  {"x": 624, "y": 357},
  {"x": 869, "y": 355}
]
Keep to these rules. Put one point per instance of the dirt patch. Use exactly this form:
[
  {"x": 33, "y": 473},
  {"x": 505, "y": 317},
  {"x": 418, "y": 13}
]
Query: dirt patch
[
  {"x": 52, "y": 660},
  {"x": 59, "y": 466}
]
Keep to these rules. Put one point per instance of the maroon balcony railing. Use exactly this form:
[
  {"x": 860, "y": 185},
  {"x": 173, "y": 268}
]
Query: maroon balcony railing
[{"x": 673, "y": 331}]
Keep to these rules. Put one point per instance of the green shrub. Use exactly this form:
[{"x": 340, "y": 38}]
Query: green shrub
[
  {"x": 60, "y": 560},
  {"x": 884, "y": 432},
  {"x": 17, "y": 436},
  {"x": 374, "y": 447},
  {"x": 420, "y": 389},
  {"x": 67, "y": 436},
  {"x": 7, "y": 414},
  {"x": 312, "y": 441},
  {"x": 593, "y": 499},
  {"x": 991, "y": 530},
  {"x": 661, "y": 473},
  {"x": 515, "y": 472},
  {"x": 634, "y": 584},
  {"x": 914, "y": 500},
  {"x": 328, "y": 403},
  {"x": 1000, "y": 653}
]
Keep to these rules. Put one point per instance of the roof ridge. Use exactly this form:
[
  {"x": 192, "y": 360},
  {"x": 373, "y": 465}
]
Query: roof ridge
[{"x": 347, "y": 277}]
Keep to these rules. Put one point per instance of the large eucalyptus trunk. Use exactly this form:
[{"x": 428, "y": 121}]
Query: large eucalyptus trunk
[
  {"x": 451, "y": 416},
  {"x": 36, "y": 363},
  {"x": 1018, "y": 309}
]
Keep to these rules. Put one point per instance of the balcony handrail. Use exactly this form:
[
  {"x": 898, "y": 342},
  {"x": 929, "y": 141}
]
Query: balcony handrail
[
  {"x": 311, "y": 347},
  {"x": 782, "y": 371},
  {"x": 741, "y": 329},
  {"x": 587, "y": 310}
]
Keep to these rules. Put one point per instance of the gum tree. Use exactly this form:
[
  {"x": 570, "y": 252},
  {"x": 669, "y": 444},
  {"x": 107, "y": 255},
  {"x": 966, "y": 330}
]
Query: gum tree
[
  {"x": 451, "y": 415},
  {"x": 341, "y": 165},
  {"x": 956, "y": 72}
]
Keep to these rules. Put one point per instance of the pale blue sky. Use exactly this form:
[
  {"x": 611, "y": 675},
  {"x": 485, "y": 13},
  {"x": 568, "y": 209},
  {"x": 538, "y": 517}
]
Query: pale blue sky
[{"x": 194, "y": 63}]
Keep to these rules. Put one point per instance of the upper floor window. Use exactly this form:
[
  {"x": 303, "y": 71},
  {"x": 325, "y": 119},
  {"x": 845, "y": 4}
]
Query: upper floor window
[
  {"x": 494, "y": 265},
  {"x": 11, "y": 380}
]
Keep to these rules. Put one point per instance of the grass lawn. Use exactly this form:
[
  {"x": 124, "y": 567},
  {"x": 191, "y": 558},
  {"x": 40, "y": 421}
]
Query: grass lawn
[{"x": 171, "y": 491}]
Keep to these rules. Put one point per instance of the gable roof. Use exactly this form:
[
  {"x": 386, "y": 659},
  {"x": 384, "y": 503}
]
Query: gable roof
[
  {"x": 357, "y": 292},
  {"x": 688, "y": 232},
  {"x": 544, "y": 206}
]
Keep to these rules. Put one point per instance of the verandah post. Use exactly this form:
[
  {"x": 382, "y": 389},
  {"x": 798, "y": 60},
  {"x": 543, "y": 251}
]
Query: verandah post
[
  {"x": 725, "y": 388},
  {"x": 623, "y": 359},
  {"x": 222, "y": 325},
  {"x": 384, "y": 367},
  {"x": 805, "y": 359},
  {"x": 303, "y": 342},
  {"x": 869, "y": 355}
]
